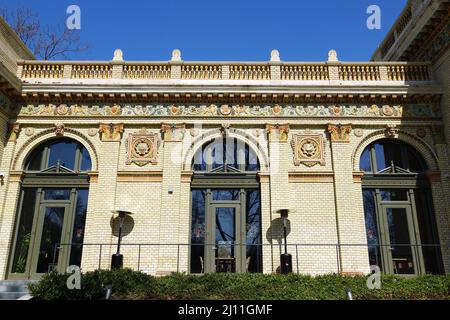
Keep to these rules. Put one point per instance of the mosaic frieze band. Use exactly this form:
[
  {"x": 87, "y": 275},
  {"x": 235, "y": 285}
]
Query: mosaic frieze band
[{"x": 239, "y": 110}]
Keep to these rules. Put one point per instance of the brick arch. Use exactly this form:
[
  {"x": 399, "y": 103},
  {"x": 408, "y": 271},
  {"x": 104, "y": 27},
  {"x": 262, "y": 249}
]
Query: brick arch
[
  {"x": 422, "y": 148},
  {"x": 49, "y": 134},
  {"x": 238, "y": 134}
]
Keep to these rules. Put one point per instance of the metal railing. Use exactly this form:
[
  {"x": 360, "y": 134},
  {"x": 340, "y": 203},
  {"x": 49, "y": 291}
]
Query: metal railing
[{"x": 327, "y": 257}]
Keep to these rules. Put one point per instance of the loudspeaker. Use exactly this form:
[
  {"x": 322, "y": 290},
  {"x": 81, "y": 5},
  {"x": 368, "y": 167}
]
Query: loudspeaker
[
  {"x": 117, "y": 261},
  {"x": 286, "y": 263}
]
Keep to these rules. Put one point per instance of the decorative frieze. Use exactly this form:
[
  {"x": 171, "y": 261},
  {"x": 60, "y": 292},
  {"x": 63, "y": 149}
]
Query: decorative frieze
[
  {"x": 308, "y": 149},
  {"x": 278, "y": 133},
  {"x": 142, "y": 148},
  {"x": 111, "y": 132},
  {"x": 237, "y": 110},
  {"x": 339, "y": 132},
  {"x": 173, "y": 132}
]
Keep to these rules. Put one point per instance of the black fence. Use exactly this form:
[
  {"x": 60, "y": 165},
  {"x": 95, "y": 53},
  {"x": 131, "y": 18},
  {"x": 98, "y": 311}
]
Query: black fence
[{"x": 403, "y": 259}]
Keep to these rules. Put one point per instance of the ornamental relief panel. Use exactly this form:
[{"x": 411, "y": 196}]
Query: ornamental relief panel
[
  {"x": 142, "y": 148},
  {"x": 228, "y": 110},
  {"x": 308, "y": 149}
]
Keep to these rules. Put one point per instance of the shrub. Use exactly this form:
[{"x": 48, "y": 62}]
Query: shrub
[{"x": 128, "y": 284}]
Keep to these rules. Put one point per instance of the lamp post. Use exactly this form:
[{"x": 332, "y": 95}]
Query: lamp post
[
  {"x": 286, "y": 258},
  {"x": 117, "y": 258}
]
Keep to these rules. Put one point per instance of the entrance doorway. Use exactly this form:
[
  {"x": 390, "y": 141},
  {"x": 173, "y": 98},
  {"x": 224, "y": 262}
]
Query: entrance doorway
[{"x": 225, "y": 210}]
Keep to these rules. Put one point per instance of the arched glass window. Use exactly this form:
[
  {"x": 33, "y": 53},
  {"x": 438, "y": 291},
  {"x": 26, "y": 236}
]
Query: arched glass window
[
  {"x": 225, "y": 155},
  {"x": 400, "y": 222},
  {"x": 52, "y": 210},
  {"x": 66, "y": 153},
  {"x": 387, "y": 154}
]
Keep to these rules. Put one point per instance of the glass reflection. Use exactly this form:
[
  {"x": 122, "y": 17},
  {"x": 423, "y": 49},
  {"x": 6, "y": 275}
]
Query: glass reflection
[
  {"x": 373, "y": 240},
  {"x": 394, "y": 195},
  {"x": 63, "y": 153},
  {"x": 225, "y": 239},
  {"x": 228, "y": 154},
  {"x": 198, "y": 231},
  {"x": 253, "y": 232},
  {"x": 51, "y": 236},
  {"x": 24, "y": 231},
  {"x": 227, "y": 195},
  {"x": 400, "y": 241},
  {"x": 78, "y": 227},
  {"x": 56, "y": 194}
]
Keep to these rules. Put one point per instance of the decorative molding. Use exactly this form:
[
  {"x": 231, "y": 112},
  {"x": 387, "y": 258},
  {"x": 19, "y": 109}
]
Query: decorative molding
[
  {"x": 142, "y": 148},
  {"x": 391, "y": 131},
  {"x": 16, "y": 176},
  {"x": 93, "y": 176},
  {"x": 421, "y": 132},
  {"x": 29, "y": 131},
  {"x": 358, "y": 132},
  {"x": 92, "y": 132},
  {"x": 14, "y": 130},
  {"x": 173, "y": 132},
  {"x": 277, "y": 132},
  {"x": 111, "y": 132},
  {"x": 264, "y": 177},
  {"x": 357, "y": 176},
  {"x": 311, "y": 177},
  {"x": 186, "y": 176},
  {"x": 339, "y": 132},
  {"x": 424, "y": 110},
  {"x": 308, "y": 149},
  {"x": 59, "y": 129}
]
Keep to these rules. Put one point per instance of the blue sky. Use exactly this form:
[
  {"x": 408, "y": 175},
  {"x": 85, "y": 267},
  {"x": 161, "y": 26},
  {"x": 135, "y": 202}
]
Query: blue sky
[{"x": 223, "y": 30}]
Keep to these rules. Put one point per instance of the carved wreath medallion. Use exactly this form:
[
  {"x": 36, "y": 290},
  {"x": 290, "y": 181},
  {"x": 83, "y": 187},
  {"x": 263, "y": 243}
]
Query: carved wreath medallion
[
  {"x": 142, "y": 148},
  {"x": 308, "y": 149}
]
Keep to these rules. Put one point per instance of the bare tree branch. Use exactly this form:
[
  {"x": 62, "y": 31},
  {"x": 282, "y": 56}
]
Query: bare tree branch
[{"x": 49, "y": 42}]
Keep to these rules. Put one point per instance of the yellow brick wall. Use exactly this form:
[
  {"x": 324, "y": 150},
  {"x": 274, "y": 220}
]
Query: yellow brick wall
[{"x": 326, "y": 211}]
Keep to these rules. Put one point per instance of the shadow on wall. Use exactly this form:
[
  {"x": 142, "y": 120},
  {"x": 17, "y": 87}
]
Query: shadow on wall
[{"x": 275, "y": 235}]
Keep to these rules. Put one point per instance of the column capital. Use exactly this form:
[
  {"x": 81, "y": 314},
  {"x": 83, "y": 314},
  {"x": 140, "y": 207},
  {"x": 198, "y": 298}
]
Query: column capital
[
  {"x": 277, "y": 132},
  {"x": 340, "y": 132},
  {"x": 111, "y": 132},
  {"x": 173, "y": 132}
]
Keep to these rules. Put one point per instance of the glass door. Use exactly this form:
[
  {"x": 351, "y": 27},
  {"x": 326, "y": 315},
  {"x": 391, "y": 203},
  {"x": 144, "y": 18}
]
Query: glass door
[
  {"x": 402, "y": 250},
  {"x": 224, "y": 239},
  {"x": 51, "y": 230}
]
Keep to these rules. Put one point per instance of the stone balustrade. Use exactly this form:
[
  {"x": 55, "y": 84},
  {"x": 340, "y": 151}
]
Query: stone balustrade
[{"x": 289, "y": 71}]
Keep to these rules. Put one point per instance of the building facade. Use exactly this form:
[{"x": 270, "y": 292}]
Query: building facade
[{"x": 205, "y": 156}]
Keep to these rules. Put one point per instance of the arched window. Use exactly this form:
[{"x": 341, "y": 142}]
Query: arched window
[
  {"x": 400, "y": 223},
  {"x": 226, "y": 209},
  {"x": 225, "y": 155},
  {"x": 51, "y": 210},
  {"x": 385, "y": 156},
  {"x": 65, "y": 153}
]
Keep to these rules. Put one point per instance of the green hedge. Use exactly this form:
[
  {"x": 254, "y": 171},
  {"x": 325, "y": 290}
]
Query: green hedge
[{"x": 128, "y": 284}]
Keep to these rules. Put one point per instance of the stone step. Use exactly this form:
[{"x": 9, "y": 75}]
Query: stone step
[
  {"x": 13, "y": 290},
  {"x": 12, "y": 295}
]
